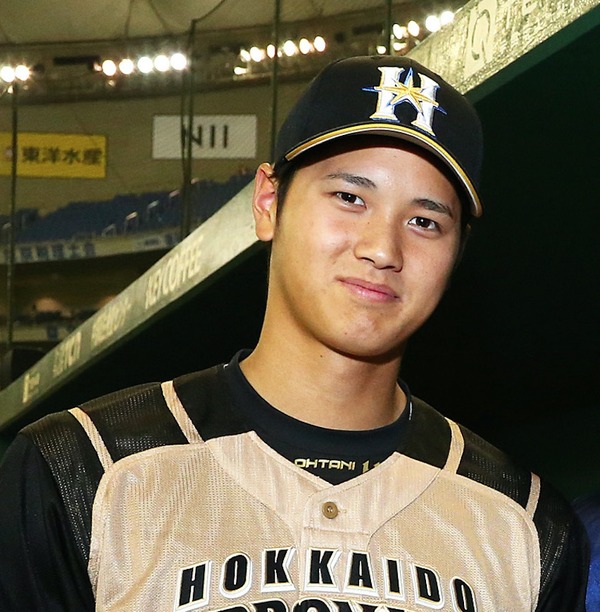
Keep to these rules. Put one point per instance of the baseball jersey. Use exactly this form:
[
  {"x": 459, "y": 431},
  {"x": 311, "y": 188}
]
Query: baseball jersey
[{"x": 169, "y": 499}]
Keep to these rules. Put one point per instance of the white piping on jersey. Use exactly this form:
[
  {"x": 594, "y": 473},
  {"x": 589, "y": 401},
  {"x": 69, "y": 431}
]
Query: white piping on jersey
[
  {"x": 457, "y": 447},
  {"x": 534, "y": 494},
  {"x": 179, "y": 414},
  {"x": 94, "y": 436}
]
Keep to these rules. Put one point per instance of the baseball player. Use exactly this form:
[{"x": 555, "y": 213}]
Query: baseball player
[{"x": 303, "y": 476}]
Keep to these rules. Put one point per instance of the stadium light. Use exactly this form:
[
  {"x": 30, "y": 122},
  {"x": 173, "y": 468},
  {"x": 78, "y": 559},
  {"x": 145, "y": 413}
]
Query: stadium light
[
  {"x": 446, "y": 17},
  {"x": 178, "y": 61},
  {"x": 162, "y": 63},
  {"x": 432, "y": 23},
  {"x": 109, "y": 68},
  {"x": 289, "y": 48},
  {"x": 305, "y": 46},
  {"x": 22, "y": 72},
  {"x": 413, "y": 28},
  {"x": 319, "y": 44},
  {"x": 399, "y": 31},
  {"x": 7, "y": 74},
  {"x": 256, "y": 54},
  {"x": 145, "y": 65},
  {"x": 126, "y": 66}
]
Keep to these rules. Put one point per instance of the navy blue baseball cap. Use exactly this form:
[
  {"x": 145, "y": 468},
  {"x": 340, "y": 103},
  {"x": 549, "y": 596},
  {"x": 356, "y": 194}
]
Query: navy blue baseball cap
[{"x": 390, "y": 96}]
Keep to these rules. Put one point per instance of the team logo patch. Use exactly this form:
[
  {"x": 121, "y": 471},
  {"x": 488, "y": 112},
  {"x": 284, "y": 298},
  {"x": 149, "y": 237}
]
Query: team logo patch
[{"x": 393, "y": 91}]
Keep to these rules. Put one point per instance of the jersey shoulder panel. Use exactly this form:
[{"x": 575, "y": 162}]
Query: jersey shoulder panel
[
  {"x": 491, "y": 467},
  {"x": 429, "y": 439},
  {"x": 125, "y": 422},
  {"x": 562, "y": 547},
  {"x": 209, "y": 403},
  {"x": 428, "y": 435}
]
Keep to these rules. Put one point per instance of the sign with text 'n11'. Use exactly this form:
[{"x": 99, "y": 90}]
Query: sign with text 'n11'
[
  {"x": 45, "y": 154},
  {"x": 213, "y": 136}
]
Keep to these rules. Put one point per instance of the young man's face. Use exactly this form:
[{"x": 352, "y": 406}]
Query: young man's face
[{"x": 362, "y": 250}]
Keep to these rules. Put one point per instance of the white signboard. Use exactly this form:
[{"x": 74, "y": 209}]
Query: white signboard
[{"x": 213, "y": 136}]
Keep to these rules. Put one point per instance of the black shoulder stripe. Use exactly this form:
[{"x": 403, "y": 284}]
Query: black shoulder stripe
[
  {"x": 489, "y": 466},
  {"x": 134, "y": 420},
  {"x": 75, "y": 467},
  {"x": 428, "y": 437},
  {"x": 208, "y": 402}
]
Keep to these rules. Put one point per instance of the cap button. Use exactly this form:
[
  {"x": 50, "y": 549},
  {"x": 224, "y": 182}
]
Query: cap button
[{"x": 330, "y": 510}]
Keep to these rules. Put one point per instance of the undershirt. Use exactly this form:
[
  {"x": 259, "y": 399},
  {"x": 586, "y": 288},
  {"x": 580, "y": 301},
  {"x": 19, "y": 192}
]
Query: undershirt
[{"x": 332, "y": 454}]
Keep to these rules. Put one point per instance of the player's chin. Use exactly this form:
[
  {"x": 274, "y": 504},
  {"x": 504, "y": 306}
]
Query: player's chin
[{"x": 371, "y": 352}]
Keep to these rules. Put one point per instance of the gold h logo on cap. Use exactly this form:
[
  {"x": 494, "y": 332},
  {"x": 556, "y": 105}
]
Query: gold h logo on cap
[{"x": 392, "y": 91}]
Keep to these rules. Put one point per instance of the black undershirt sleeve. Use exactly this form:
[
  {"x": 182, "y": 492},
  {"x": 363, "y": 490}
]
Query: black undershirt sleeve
[
  {"x": 40, "y": 567},
  {"x": 567, "y": 588}
]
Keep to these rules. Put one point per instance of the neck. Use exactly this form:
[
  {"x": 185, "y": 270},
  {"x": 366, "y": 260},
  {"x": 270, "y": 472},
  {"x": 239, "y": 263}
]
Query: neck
[{"x": 323, "y": 387}]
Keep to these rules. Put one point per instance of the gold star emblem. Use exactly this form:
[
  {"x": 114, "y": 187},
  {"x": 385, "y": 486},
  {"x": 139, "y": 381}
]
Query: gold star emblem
[{"x": 407, "y": 92}]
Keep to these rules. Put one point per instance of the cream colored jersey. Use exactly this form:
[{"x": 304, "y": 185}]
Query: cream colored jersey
[{"x": 209, "y": 517}]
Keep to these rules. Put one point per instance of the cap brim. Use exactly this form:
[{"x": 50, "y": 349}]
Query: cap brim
[{"x": 403, "y": 133}]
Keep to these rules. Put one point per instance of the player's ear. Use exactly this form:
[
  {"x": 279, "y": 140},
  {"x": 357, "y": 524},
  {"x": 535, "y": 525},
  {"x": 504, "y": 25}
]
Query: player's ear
[{"x": 264, "y": 202}]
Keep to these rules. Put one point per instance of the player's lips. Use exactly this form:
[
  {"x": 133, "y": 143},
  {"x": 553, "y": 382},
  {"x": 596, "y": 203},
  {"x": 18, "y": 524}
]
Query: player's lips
[{"x": 371, "y": 291}]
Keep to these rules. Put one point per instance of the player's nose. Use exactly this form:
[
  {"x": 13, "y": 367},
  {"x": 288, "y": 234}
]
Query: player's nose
[{"x": 378, "y": 242}]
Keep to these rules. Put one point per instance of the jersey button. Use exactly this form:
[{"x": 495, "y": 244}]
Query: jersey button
[{"x": 330, "y": 510}]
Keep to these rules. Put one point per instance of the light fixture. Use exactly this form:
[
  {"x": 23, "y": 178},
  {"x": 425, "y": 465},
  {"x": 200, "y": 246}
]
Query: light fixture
[
  {"x": 22, "y": 72},
  {"x": 305, "y": 46},
  {"x": 432, "y": 23},
  {"x": 413, "y": 28},
  {"x": 178, "y": 61},
  {"x": 319, "y": 44},
  {"x": 381, "y": 49},
  {"x": 145, "y": 64},
  {"x": 399, "y": 31},
  {"x": 109, "y": 68},
  {"x": 446, "y": 17},
  {"x": 271, "y": 51},
  {"x": 245, "y": 55},
  {"x": 289, "y": 48},
  {"x": 7, "y": 74},
  {"x": 162, "y": 63},
  {"x": 126, "y": 66},
  {"x": 256, "y": 54},
  {"x": 240, "y": 70}
]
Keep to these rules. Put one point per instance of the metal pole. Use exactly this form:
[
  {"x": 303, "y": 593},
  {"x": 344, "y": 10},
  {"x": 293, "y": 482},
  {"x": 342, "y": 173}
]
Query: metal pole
[
  {"x": 10, "y": 264},
  {"x": 186, "y": 191},
  {"x": 388, "y": 27},
  {"x": 275, "y": 77}
]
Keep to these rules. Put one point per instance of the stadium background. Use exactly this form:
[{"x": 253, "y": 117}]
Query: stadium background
[{"x": 104, "y": 188}]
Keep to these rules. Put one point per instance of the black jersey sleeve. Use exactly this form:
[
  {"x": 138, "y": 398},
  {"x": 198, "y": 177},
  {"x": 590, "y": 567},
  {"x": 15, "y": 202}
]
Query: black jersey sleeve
[
  {"x": 566, "y": 581},
  {"x": 40, "y": 567}
]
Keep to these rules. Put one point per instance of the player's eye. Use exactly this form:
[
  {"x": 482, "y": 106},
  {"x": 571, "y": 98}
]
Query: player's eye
[
  {"x": 350, "y": 198},
  {"x": 424, "y": 223}
]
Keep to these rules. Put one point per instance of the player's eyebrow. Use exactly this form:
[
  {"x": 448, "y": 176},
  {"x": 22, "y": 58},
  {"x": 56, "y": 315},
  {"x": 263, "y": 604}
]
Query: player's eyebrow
[
  {"x": 353, "y": 179},
  {"x": 435, "y": 206}
]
